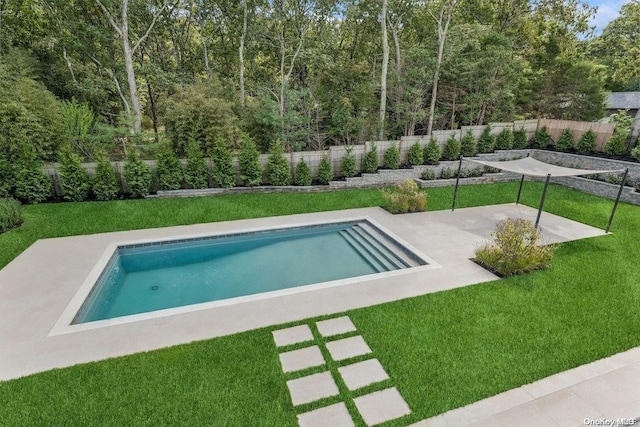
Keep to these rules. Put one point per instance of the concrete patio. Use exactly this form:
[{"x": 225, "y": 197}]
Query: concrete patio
[{"x": 39, "y": 285}]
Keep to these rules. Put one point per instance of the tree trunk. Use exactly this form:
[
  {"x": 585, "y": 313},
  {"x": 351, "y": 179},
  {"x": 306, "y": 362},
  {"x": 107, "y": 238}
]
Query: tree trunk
[
  {"x": 383, "y": 72},
  {"x": 241, "y": 53},
  {"x": 131, "y": 74},
  {"x": 205, "y": 53},
  {"x": 154, "y": 115},
  {"x": 442, "y": 35}
]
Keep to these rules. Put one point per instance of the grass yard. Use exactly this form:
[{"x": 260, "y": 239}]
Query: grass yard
[{"x": 441, "y": 350}]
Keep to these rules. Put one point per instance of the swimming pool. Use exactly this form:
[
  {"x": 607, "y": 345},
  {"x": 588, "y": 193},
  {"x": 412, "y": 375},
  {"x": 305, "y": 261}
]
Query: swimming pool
[{"x": 141, "y": 278}]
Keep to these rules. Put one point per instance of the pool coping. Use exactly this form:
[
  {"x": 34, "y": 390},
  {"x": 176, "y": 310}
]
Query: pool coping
[{"x": 39, "y": 284}]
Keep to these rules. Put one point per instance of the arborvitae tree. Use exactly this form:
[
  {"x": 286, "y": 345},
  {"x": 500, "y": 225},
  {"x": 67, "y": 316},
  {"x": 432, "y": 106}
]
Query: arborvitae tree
[
  {"x": 565, "y": 142},
  {"x": 451, "y": 149},
  {"x": 486, "y": 141},
  {"x": 504, "y": 140},
  {"x": 348, "y": 167},
  {"x": 415, "y": 156},
  {"x": 105, "y": 183},
  {"x": 325, "y": 173},
  {"x": 137, "y": 174},
  {"x": 278, "y": 170},
  {"x": 520, "y": 139},
  {"x": 617, "y": 144},
  {"x": 432, "y": 153},
  {"x": 249, "y": 159},
  {"x": 6, "y": 177},
  {"x": 391, "y": 158},
  {"x": 468, "y": 146},
  {"x": 168, "y": 171},
  {"x": 224, "y": 175},
  {"x": 586, "y": 143},
  {"x": 541, "y": 139},
  {"x": 196, "y": 172},
  {"x": 31, "y": 183},
  {"x": 370, "y": 160},
  {"x": 303, "y": 173},
  {"x": 74, "y": 179}
]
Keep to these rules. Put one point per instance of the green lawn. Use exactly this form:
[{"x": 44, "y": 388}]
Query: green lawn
[{"x": 441, "y": 350}]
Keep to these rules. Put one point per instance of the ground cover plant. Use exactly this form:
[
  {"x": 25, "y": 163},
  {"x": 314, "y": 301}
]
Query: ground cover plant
[{"x": 441, "y": 350}]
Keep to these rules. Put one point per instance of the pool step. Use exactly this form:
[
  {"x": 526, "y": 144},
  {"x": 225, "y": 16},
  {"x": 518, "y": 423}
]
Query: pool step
[
  {"x": 380, "y": 246},
  {"x": 356, "y": 243},
  {"x": 389, "y": 246}
]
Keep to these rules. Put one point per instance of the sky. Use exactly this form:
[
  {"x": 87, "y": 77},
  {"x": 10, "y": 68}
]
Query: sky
[{"x": 607, "y": 11}]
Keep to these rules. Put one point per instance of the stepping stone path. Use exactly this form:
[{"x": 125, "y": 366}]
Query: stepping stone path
[{"x": 374, "y": 408}]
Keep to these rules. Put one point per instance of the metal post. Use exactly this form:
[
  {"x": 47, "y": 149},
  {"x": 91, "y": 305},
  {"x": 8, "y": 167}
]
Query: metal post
[
  {"x": 520, "y": 190},
  {"x": 615, "y": 205},
  {"x": 455, "y": 191},
  {"x": 544, "y": 195}
]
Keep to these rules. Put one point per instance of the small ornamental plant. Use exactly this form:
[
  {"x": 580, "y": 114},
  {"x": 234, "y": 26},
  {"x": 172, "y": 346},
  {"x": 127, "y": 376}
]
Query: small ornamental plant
[
  {"x": 224, "y": 174},
  {"x": 137, "y": 175},
  {"x": 404, "y": 197},
  {"x": 515, "y": 249},
  {"x": 565, "y": 142},
  {"x": 168, "y": 172},
  {"x": 428, "y": 175},
  {"x": 250, "y": 167},
  {"x": 74, "y": 179},
  {"x": 415, "y": 156},
  {"x": 10, "y": 214},
  {"x": 587, "y": 142},
  {"x": 370, "y": 160},
  {"x": 468, "y": 145},
  {"x": 519, "y": 139},
  {"x": 105, "y": 183},
  {"x": 278, "y": 170},
  {"x": 504, "y": 140},
  {"x": 451, "y": 149},
  {"x": 635, "y": 153},
  {"x": 348, "y": 167},
  {"x": 486, "y": 141},
  {"x": 391, "y": 158},
  {"x": 303, "y": 173},
  {"x": 196, "y": 172},
  {"x": 541, "y": 139},
  {"x": 432, "y": 153},
  {"x": 325, "y": 173}
]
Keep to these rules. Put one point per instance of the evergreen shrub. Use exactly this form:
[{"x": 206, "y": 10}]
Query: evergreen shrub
[
  {"x": 370, "y": 160},
  {"x": 250, "y": 166},
  {"x": 432, "y": 153},
  {"x": 105, "y": 184},
  {"x": 504, "y": 140},
  {"x": 468, "y": 145},
  {"x": 74, "y": 179},
  {"x": 391, "y": 158},
  {"x": 451, "y": 149},
  {"x": 278, "y": 170},
  {"x": 303, "y": 173},
  {"x": 486, "y": 141},
  {"x": 520, "y": 139},
  {"x": 32, "y": 185},
  {"x": 168, "y": 171},
  {"x": 415, "y": 156},
  {"x": 348, "y": 167},
  {"x": 10, "y": 214},
  {"x": 325, "y": 173},
  {"x": 565, "y": 142},
  {"x": 587, "y": 142},
  {"x": 196, "y": 171},
  {"x": 137, "y": 175}
]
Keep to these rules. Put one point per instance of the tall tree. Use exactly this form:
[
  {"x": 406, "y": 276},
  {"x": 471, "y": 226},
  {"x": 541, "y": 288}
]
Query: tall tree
[
  {"x": 121, "y": 26},
  {"x": 385, "y": 66}
]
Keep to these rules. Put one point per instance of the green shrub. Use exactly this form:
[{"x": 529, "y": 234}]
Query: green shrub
[
  {"x": 348, "y": 167},
  {"x": 137, "y": 175},
  {"x": 224, "y": 175},
  {"x": 617, "y": 144},
  {"x": 391, "y": 158},
  {"x": 105, "y": 183},
  {"x": 325, "y": 173},
  {"x": 515, "y": 249},
  {"x": 196, "y": 171},
  {"x": 468, "y": 145},
  {"x": 250, "y": 166},
  {"x": 635, "y": 153},
  {"x": 370, "y": 160},
  {"x": 520, "y": 139},
  {"x": 541, "y": 139},
  {"x": 168, "y": 171},
  {"x": 303, "y": 173},
  {"x": 504, "y": 140},
  {"x": 278, "y": 170},
  {"x": 404, "y": 197},
  {"x": 74, "y": 179},
  {"x": 10, "y": 214},
  {"x": 451, "y": 149},
  {"x": 486, "y": 141},
  {"x": 32, "y": 185},
  {"x": 587, "y": 142},
  {"x": 415, "y": 156},
  {"x": 637, "y": 186},
  {"x": 428, "y": 175},
  {"x": 565, "y": 142},
  {"x": 447, "y": 173},
  {"x": 6, "y": 177},
  {"x": 432, "y": 153}
]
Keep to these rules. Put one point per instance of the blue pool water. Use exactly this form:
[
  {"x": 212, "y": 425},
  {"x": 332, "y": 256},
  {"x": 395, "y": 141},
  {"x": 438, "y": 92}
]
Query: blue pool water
[{"x": 157, "y": 276}]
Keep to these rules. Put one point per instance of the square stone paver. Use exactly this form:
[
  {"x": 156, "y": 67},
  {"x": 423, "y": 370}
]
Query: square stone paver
[
  {"x": 348, "y": 347},
  {"x": 361, "y": 374},
  {"x": 311, "y": 388},
  {"x": 381, "y": 406},
  {"x": 292, "y": 335},
  {"x": 330, "y": 416},
  {"x": 303, "y": 358},
  {"x": 337, "y": 326}
]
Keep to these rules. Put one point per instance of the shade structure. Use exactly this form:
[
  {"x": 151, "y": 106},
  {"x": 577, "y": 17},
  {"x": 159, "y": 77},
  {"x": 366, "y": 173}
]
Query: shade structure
[{"x": 529, "y": 166}]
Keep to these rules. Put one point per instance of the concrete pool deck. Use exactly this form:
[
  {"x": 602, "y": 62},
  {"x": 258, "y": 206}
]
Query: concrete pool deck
[{"x": 37, "y": 287}]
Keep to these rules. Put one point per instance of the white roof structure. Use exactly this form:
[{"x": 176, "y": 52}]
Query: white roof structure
[{"x": 532, "y": 167}]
